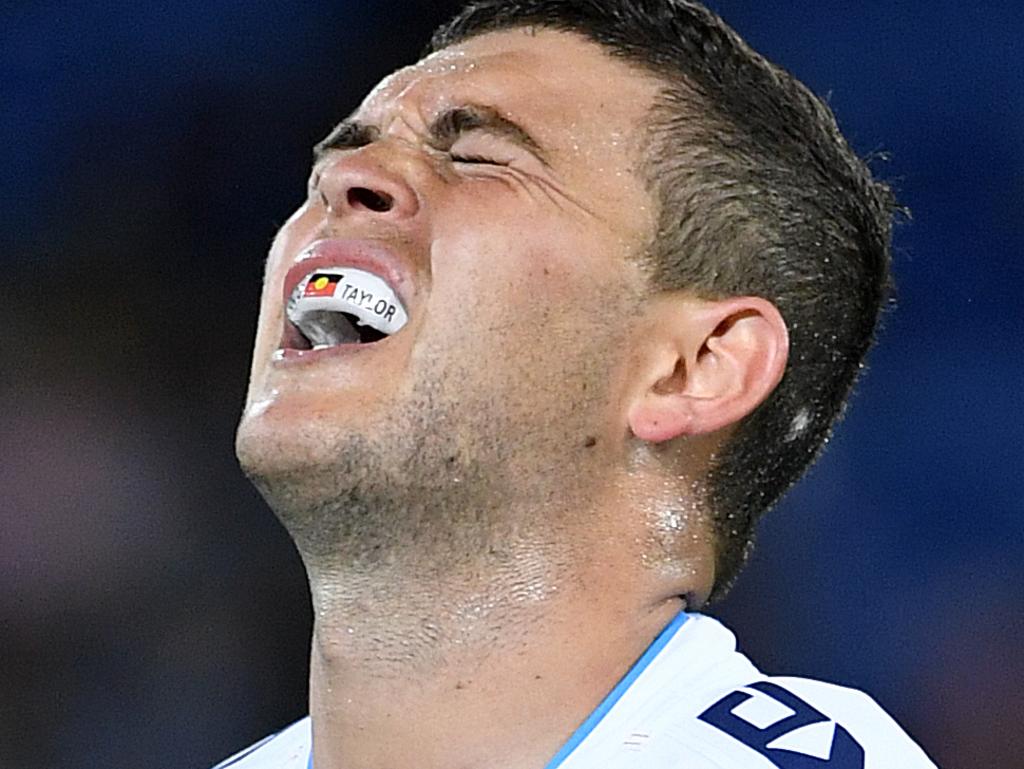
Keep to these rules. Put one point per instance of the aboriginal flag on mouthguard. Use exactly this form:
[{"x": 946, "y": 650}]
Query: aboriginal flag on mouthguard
[{"x": 321, "y": 285}]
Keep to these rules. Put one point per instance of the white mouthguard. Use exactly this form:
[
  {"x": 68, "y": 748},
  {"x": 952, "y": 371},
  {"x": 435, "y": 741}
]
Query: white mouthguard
[{"x": 320, "y": 302}]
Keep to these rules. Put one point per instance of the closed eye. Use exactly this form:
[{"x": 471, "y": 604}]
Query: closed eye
[{"x": 477, "y": 160}]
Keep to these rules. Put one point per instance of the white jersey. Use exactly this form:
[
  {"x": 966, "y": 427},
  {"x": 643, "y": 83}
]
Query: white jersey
[{"x": 693, "y": 702}]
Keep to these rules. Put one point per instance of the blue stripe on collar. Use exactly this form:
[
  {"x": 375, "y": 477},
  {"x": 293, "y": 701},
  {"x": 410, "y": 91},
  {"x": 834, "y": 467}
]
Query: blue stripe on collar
[{"x": 620, "y": 689}]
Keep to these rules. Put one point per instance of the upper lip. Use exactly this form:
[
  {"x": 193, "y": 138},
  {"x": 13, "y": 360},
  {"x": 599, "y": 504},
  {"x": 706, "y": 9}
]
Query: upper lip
[{"x": 367, "y": 255}]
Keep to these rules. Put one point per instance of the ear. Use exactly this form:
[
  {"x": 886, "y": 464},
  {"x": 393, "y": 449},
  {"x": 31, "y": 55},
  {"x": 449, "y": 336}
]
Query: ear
[{"x": 703, "y": 365}]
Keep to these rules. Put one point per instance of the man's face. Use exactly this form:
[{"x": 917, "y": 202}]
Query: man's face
[{"x": 493, "y": 185}]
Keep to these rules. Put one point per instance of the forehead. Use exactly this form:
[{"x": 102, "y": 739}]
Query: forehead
[{"x": 567, "y": 91}]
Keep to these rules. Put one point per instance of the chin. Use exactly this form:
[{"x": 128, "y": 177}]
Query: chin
[{"x": 281, "y": 440}]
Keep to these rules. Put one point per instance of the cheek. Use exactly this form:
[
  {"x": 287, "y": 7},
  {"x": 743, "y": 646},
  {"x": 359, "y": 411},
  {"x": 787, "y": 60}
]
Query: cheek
[
  {"x": 527, "y": 305},
  {"x": 295, "y": 233},
  {"x": 502, "y": 258}
]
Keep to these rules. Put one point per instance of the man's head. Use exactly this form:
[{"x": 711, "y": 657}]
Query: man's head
[
  {"x": 758, "y": 194},
  {"x": 594, "y": 230}
]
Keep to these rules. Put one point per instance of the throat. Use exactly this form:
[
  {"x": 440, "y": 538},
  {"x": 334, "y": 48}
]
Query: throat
[
  {"x": 430, "y": 690},
  {"x": 461, "y": 710},
  {"x": 494, "y": 682},
  {"x": 403, "y": 625}
]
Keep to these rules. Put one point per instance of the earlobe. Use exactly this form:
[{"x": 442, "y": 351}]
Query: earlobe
[{"x": 712, "y": 363}]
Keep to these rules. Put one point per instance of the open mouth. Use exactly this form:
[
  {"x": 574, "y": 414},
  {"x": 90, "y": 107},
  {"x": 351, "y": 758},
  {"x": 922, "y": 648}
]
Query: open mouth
[{"x": 341, "y": 306}]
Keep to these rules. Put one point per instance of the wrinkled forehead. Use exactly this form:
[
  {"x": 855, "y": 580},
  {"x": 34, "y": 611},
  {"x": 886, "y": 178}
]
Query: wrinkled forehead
[{"x": 566, "y": 88}]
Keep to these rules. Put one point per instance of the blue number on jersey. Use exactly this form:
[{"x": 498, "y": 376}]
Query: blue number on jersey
[{"x": 846, "y": 752}]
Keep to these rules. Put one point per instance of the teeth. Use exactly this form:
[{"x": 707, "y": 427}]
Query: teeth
[
  {"x": 330, "y": 303},
  {"x": 325, "y": 329}
]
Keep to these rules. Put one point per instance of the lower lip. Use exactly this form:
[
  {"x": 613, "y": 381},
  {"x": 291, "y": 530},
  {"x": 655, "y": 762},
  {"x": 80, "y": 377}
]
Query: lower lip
[{"x": 290, "y": 357}]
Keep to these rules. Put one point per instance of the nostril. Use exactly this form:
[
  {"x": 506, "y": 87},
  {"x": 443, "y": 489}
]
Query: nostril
[{"x": 361, "y": 197}]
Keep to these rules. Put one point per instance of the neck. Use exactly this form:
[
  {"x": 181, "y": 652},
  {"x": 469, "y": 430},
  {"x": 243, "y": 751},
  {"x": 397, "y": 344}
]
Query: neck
[{"x": 464, "y": 679}]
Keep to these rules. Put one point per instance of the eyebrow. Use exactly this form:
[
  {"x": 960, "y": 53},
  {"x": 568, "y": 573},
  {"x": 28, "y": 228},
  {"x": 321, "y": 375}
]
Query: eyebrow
[{"x": 443, "y": 131}]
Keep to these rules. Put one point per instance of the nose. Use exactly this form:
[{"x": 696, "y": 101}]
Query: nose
[{"x": 366, "y": 183}]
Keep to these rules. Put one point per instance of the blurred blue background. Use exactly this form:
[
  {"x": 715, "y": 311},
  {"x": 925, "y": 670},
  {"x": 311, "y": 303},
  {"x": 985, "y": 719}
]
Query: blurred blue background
[{"x": 153, "y": 613}]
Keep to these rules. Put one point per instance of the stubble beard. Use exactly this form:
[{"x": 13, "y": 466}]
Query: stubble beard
[{"x": 450, "y": 524}]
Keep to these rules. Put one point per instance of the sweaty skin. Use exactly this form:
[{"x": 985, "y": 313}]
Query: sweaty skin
[{"x": 489, "y": 547}]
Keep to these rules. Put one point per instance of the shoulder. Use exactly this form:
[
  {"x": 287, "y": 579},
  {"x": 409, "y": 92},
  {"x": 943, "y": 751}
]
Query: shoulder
[
  {"x": 751, "y": 719},
  {"x": 787, "y": 721},
  {"x": 703, "y": 704},
  {"x": 287, "y": 749}
]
